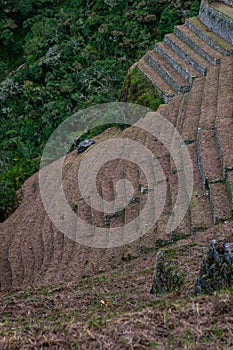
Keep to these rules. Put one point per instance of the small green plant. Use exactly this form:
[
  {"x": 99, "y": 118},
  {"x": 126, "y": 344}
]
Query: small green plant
[
  {"x": 205, "y": 339},
  {"x": 218, "y": 332},
  {"x": 152, "y": 344},
  {"x": 170, "y": 342},
  {"x": 96, "y": 322}
]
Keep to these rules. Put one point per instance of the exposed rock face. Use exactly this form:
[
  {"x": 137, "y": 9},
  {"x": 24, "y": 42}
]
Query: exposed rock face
[{"x": 217, "y": 268}]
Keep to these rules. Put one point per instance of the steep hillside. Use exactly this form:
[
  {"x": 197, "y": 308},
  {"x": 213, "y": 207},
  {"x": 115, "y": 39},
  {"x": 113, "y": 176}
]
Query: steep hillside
[
  {"x": 192, "y": 69},
  {"x": 57, "y": 57}
]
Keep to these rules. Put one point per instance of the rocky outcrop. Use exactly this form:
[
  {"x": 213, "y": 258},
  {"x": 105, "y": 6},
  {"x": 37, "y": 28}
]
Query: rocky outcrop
[
  {"x": 216, "y": 271},
  {"x": 192, "y": 267}
]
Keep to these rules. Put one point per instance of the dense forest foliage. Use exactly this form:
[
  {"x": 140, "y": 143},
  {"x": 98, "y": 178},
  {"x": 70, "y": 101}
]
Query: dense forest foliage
[{"x": 57, "y": 57}]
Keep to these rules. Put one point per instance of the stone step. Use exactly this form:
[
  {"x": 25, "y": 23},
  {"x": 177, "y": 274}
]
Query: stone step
[
  {"x": 16, "y": 262},
  {"x": 224, "y": 132},
  {"x": 219, "y": 202},
  {"x": 5, "y": 266},
  {"x": 208, "y": 36},
  {"x": 228, "y": 2},
  {"x": 27, "y": 251},
  {"x": 170, "y": 111},
  {"x": 68, "y": 251},
  {"x": 148, "y": 172},
  {"x": 160, "y": 85},
  {"x": 225, "y": 95},
  {"x": 32, "y": 249},
  {"x": 58, "y": 252},
  {"x": 218, "y": 17},
  {"x": 210, "y": 99},
  {"x": 6, "y": 274},
  {"x": 38, "y": 248},
  {"x": 122, "y": 170},
  {"x": 196, "y": 43},
  {"x": 187, "y": 53},
  {"x": 208, "y": 157},
  {"x": 200, "y": 210},
  {"x": 106, "y": 192},
  {"x": 182, "y": 113},
  {"x": 229, "y": 182},
  {"x": 183, "y": 67},
  {"x": 201, "y": 217},
  {"x": 48, "y": 245},
  {"x": 184, "y": 227},
  {"x": 167, "y": 72},
  {"x": 193, "y": 111}
]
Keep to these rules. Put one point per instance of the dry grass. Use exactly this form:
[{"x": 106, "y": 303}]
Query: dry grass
[{"x": 114, "y": 310}]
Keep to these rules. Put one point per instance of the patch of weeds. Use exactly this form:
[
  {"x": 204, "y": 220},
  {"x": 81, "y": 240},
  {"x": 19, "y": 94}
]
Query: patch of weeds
[
  {"x": 189, "y": 332},
  {"x": 188, "y": 335},
  {"x": 111, "y": 300},
  {"x": 160, "y": 303},
  {"x": 170, "y": 342},
  {"x": 112, "y": 315},
  {"x": 96, "y": 322},
  {"x": 206, "y": 339},
  {"x": 218, "y": 332},
  {"x": 25, "y": 327},
  {"x": 115, "y": 275},
  {"x": 226, "y": 290},
  {"x": 152, "y": 344},
  {"x": 102, "y": 278},
  {"x": 4, "y": 322},
  {"x": 25, "y": 295}
]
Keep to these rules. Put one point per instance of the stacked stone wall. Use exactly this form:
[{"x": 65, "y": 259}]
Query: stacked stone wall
[
  {"x": 217, "y": 21},
  {"x": 228, "y": 2}
]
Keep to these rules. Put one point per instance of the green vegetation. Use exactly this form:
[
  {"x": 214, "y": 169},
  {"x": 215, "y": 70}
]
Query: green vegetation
[
  {"x": 168, "y": 276},
  {"x": 59, "y": 57},
  {"x": 138, "y": 90}
]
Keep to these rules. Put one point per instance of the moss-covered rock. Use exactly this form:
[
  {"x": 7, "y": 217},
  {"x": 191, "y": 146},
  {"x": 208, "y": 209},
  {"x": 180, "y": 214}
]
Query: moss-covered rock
[
  {"x": 137, "y": 89},
  {"x": 167, "y": 277},
  {"x": 216, "y": 270},
  {"x": 174, "y": 271}
]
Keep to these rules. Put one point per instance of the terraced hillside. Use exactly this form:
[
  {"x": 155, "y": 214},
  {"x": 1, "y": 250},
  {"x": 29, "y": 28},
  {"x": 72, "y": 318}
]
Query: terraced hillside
[{"x": 193, "y": 70}]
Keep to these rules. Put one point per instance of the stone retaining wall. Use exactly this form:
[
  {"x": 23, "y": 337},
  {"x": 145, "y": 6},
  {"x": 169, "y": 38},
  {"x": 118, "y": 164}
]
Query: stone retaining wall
[
  {"x": 217, "y": 21},
  {"x": 228, "y": 2}
]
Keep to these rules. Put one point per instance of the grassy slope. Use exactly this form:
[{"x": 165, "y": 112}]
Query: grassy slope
[{"x": 115, "y": 311}]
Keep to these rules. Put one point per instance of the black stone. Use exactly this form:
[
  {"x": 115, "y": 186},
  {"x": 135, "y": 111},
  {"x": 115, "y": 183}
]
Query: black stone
[{"x": 83, "y": 145}]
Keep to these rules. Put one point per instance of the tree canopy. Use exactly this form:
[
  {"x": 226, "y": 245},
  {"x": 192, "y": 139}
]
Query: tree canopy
[{"x": 59, "y": 57}]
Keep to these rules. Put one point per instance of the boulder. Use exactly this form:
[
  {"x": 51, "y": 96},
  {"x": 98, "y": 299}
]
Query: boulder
[
  {"x": 83, "y": 145},
  {"x": 216, "y": 270}
]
